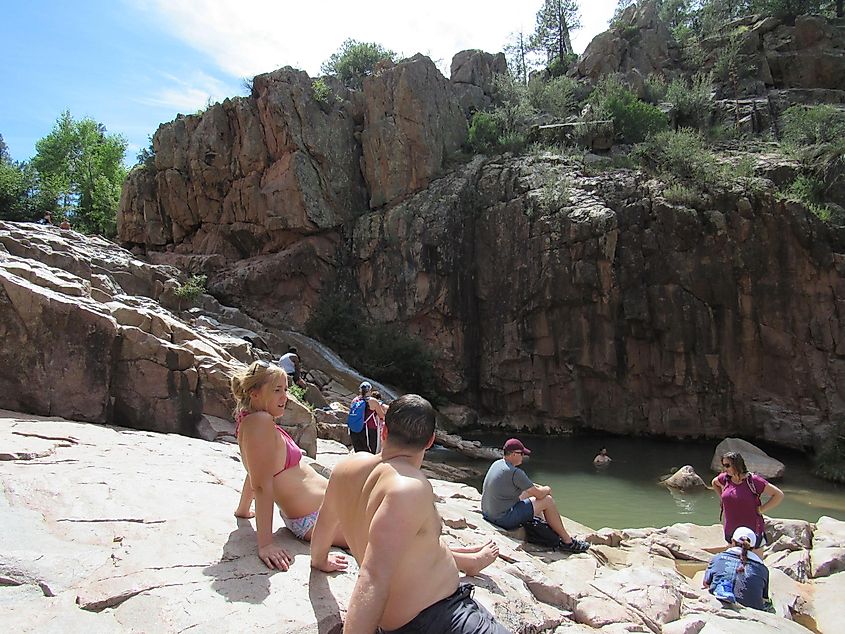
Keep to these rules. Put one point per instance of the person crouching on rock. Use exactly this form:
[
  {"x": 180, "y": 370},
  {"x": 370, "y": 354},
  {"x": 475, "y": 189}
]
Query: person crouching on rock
[
  {"x": 275, "y": 471},
  {"x": 509, "y": 498},
  {"x": 738, "y": 575}
]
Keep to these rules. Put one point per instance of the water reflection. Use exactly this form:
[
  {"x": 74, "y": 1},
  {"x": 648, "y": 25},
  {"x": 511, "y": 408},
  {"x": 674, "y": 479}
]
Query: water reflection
[{"x": 683, "y": 503}]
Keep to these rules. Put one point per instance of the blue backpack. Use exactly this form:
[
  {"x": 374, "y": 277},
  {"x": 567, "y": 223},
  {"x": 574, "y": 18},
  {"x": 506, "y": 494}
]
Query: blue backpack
[{"x": 357, "y": 411}]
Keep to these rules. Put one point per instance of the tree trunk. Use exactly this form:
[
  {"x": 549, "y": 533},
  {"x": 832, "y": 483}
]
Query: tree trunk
[{"x": 567, "y": 43}]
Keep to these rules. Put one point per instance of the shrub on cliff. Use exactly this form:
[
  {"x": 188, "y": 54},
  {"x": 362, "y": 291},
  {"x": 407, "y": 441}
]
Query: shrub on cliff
[
  {"x": 192, "y": 289},
  {"x": 816, "y": 136},
  {"x": 812, "y": 125},
  {"x": 384, "y": 352},
  {"x": 556, "y": 96},
  {"x": 680, "y": 154},
  {"x": 633, "y": 119},
  {"x": 692, "y": 100},
  {"x": 355, "y": 60},
  {"x": 830, "y": 459}
]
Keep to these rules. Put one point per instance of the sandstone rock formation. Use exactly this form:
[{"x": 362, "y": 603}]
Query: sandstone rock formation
[
  {"x": 473, "y": 74},
  {"x": 110, "y": 529},
  {"x": 87, "y": 336},
  {"x": 591, "y": 302},
  {"x": 614, "y": 309},
  {"x": 412, "y": 123},
  {"x": 640, "y": 44}
]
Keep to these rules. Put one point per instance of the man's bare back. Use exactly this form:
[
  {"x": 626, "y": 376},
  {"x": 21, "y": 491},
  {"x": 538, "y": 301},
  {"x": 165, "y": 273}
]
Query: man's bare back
[
  {"x": 390, "y": 506},
  {"x": 384, "y": 506}
]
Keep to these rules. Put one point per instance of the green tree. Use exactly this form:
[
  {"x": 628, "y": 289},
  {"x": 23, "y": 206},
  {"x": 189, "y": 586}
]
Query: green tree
[
  {"x": 355, "y": 60},
  {"x": 518, "y": 51},
  {"x": 23, "y": 197},
  {"x": 555, "y": 19},
  {"x": 83, "y": 165},
  {"x": 4, "y": 151}
]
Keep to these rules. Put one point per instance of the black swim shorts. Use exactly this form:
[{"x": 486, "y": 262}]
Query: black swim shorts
[{"x": 456, "y": 614}]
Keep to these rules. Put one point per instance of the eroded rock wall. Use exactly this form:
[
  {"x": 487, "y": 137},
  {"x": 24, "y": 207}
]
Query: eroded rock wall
[{"x": 613, "y": 309}]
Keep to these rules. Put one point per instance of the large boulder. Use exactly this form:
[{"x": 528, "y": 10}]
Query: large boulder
[
  {"x": 810, "y": 54},
  {"x": 412, "y": 123},
  {"x": 473, "y": 74},
  {"x": 685, "y": 479},
  {"x": 245, "y": 173},
  {"x": 639, "y": 44},
  {"x": 756, "y": 460}
]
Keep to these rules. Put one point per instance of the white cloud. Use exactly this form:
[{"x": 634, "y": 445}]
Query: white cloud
[
  {"x": 189, "y": 94},
  {"x": 248, "y": 37}
]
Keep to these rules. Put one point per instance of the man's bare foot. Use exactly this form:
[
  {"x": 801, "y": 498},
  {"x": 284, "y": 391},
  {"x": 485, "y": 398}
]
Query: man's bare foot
[
  {"x": 473, "y": 560},
  {"x": 244, "y": 515}
]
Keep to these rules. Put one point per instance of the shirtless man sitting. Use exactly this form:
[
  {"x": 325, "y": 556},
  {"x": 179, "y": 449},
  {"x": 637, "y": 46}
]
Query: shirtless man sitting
[{"x": 408, "y": 580}]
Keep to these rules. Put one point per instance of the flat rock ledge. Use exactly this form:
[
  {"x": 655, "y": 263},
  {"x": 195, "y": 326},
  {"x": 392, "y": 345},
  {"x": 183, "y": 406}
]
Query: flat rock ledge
[{"x": 107, "y": 529}]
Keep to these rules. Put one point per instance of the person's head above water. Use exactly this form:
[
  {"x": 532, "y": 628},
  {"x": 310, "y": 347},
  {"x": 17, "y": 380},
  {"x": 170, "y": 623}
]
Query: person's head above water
[{"x": 410, "y": 422}]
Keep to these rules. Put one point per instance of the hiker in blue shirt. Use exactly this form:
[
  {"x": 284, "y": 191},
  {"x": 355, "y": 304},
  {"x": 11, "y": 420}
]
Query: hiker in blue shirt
[
  {"x": 364, "y": 412},
  {"x": 739, "y": 576}
]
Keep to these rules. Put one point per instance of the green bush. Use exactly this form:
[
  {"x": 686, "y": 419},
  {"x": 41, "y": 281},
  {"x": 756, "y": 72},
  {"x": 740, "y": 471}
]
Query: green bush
[
  {"x": 192, "y": 289},
  {"x": 810, "y": 192},
  {"x": 633, "y": 120},
  {"x": 384, "y": 352},
  {"x": 681, "y": 194},
  {"x": 559, "y": 66},
  {"x": 655, "y": 88},
  {"x": 355, "y": 60},
  {"x": 322, "y": 92},
  {"x": 484, "y": 132},
  {"x": 298, "y": 392},
  {"x": 503, "y": 128},
  {"x": 692, "y": 100},
  {"x": 812, "y": 125},
  {"x": 681, "y": 154},
  {"x": 556, "y": 191},
  {"x": 557, "y": 96},
  {"x": 830, "y": 458}
]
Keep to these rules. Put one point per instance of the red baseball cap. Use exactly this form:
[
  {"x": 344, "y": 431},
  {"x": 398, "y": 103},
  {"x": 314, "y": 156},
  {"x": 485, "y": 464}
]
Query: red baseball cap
[{"x": 512, "y": 444}]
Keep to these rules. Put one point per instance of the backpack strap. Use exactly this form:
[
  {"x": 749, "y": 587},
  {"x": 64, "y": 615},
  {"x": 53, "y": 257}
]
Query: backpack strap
[{"x": 751, "y": 486}]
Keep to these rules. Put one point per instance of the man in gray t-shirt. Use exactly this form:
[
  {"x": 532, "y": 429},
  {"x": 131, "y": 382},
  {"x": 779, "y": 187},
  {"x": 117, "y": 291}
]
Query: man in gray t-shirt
[{"x": 509, "y": 498}]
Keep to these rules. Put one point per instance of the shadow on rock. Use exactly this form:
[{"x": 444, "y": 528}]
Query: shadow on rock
[
  {"x": 326, "y": 609},
  {"x": 240, "y": 576}
]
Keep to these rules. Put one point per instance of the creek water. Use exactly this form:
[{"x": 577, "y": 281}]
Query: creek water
[{"x": 625, "y": 494}]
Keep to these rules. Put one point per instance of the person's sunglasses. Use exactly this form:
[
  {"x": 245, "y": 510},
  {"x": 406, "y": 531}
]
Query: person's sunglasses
[
  {"x": 726, "y": 465},
  {"x": 261, "y": 363}
]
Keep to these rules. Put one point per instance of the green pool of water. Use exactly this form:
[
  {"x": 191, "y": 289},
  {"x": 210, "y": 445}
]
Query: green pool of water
[{"x": 626, "y": 493}]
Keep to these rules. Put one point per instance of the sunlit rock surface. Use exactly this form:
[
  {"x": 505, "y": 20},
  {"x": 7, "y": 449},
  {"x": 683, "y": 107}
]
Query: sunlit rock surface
[{"x": 109, "y": 529}]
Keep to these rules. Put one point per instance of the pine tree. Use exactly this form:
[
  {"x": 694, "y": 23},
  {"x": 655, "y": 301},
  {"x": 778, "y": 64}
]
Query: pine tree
[{"x": 555, "y": 19}]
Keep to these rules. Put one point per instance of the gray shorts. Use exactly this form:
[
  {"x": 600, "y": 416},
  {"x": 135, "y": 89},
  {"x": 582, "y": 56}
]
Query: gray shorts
[{"x": 456, "y": 614}]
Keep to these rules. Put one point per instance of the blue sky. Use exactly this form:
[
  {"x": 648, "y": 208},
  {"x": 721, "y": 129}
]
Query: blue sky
[{"x": 133, "y": 64}]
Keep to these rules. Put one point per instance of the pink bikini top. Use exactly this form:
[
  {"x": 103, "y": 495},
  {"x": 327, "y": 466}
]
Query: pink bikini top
[{"x": 294, "y": 453}]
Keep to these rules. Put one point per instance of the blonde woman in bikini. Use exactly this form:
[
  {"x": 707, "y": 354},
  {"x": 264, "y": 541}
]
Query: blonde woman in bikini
[{"x": 273, "y": 461}]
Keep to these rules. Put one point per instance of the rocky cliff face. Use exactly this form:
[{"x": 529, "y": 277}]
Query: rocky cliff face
[
  {"x": 91, "y": 333},
  {"x": 614, "y": 308},
  {"x": 554, "y": 298}
]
